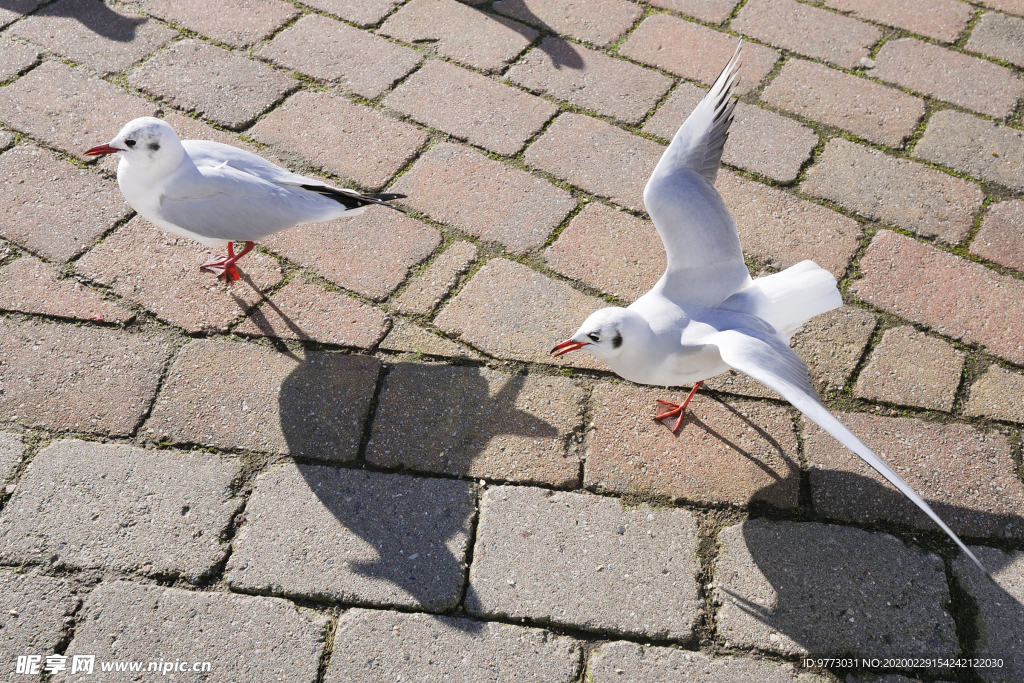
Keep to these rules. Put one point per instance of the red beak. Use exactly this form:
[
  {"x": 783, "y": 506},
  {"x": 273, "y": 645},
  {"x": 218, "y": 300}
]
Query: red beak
[
  {"x": 100, "y": 150},
  {"x": 566, "y": 346}
]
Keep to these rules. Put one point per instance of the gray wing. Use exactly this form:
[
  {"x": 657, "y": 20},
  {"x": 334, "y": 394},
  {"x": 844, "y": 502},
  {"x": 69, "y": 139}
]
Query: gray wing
[
  {"x": 765, "y": 358},
  {"x": 705, "y": 262}
]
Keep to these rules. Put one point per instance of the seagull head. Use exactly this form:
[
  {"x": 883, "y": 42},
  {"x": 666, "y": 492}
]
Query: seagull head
[
  {"x": 604, "y": 334},
  {"x": 147, "y": 143}
]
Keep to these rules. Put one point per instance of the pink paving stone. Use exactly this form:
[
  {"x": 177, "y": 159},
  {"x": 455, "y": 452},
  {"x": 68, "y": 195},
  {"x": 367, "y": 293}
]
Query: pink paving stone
[
  {"x": 103, "y": 37},
  {"x": 460, "y": 187},
  {"x": 596, "y": 21},
  {"x": 426, "y": 290},
  {"x": 302, "y": 310},
  {"x": 696, "y": 52},
  {"x": 807, "y": 30},
  {"x": 67, "y": 108},
  {"x": 956, "y": 298},
  {"x": 331, "y": 51},
  {"x": 983, "y": 149},
  {"x": 781, "y": 230},
  {"x": 611, "y": 250},
  {"x": 12, "y": 448},
  {"x": 940, "y": 19},
  {"x": 866, "y": 109},
  {"x": 31, "y": 286},
  {"x": 934, "y": 71},
  {"x": 15, "y": 9},
  {"x": 221, "y": 86},
  {"x": 1011, "y": 6},
  {"x": 511, "y": 311},
  {"x": 407, "y": 337},
  {"x": 910, "y": 368},
  {"x": 609, "y": 86},
  {"x": 711, "y": 11},
  {"x": 967, "y": 476},
  {"x": 998, "y": 394},
  {"x": 78, "y": 378},
  {"x": 895, "y": 191},
  {"x": 15, "y": 58},
  {"x": 735, "y": 453},
  {"x": 241, "y": 395},
  {"x": 359, "y": 12},
  {"x": 759, "y": 140},
  {"x": 361, "y": 143},
  {"x": 36, "y": 190},
  {"x": 598, "y": 157},
  {"x": 1001, "y": 238},
  {"x": 235, "y": 22},
  {"x": 472, "y": 107},
  {"x": 1000, "y": 36},
  {"x": 160, "y": 272},
  {"x": 460, "y": 32},
  {"x": 370, "y": 254}
]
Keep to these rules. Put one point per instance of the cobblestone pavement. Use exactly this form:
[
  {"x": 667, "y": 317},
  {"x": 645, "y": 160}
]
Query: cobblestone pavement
[{"x": 359, "y": 464}]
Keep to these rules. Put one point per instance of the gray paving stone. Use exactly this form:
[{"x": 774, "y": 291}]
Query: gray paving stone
[
  {"x": 1000, "y": 238},
  {"x": 999, "y": 619},
  {"x": 33, "y": 614},
  {"x": 998, "y": 394},
  {"x": 804, "y": 588},
  {"x": 14, "y": 9},
  {"x": 912, "y": 369},
  {"x": 352, "y": 536},
  {"x": 482, "y": 424},
  {"x": 585, "y": 561},
  {"x": 11, "y": 450},
  {"x": 15, "y": 57},
  {"x": 980, "y": 148},
  {"x": 84, "y": 504},
  {"x": 1000, "y": 36},
  {"x": 426, "y": 290},
  {"x": 237, "y": 395},
  {"x": 244, "y": 638},
  {"x": 76, "y": 378},
  {"x": 409, "y": 337},
  {"x": 372, "y": 646}
]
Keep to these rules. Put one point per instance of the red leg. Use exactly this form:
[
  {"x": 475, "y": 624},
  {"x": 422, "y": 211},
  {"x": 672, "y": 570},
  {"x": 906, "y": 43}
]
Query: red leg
[
  {"x": 230, "y": 272},
  {"x": 678, "y": 408}
]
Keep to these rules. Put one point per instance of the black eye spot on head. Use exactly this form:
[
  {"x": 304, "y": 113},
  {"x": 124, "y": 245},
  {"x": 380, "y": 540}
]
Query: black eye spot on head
[
  {"x": 130, "y": 143},
  {"x": 155, "y": 146},
  {"x": 617, "y": 340},
  {"x": 593, "y": 337}
]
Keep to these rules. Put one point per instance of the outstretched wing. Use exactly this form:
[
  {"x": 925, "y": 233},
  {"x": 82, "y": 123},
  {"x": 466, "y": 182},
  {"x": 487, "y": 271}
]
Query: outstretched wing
[
  {"x": 705, "y": 262},
  {"x": 765, "y": 358}
]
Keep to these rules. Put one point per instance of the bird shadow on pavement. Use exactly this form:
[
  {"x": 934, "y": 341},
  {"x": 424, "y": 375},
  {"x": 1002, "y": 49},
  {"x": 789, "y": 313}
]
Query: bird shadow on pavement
[
  {"x": 94, "y": 15},
  {"x": 562, "y": 52}
]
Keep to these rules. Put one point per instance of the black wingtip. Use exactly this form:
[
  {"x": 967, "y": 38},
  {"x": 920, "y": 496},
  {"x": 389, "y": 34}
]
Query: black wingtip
[{"x": 384, "y": 197}]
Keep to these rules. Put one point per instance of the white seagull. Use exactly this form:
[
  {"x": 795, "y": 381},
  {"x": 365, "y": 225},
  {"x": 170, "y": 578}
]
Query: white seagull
[
  {"x": 706, "y": 315},
  {"x": 217, "y": 194}
]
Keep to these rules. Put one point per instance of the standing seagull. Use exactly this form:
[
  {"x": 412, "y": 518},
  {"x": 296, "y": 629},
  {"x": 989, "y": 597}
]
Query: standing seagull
[
  {"x": 705, "y": 315},
  {"x": 217, "y": 194}
]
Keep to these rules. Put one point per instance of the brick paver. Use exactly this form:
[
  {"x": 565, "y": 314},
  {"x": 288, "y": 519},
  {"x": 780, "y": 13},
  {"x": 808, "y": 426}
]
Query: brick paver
[
  {"x": 11, "y": 449},
  {"x": 33, "y": 614},
  {"x": 895, "y": 191},
  {"x": 865, "y": 108},
  {"x": 983, "y": 149},
  {"x": 160, "y": 513},
  {"x": 315, "y": 532},
  {"x": 999, "y": 619},
  {"x": 460, "y": 32},
  {"x": 79, "y": 379},
  {"x": 598, "y": 157},
  {"x": 426, "y": 290},
  {"x": 696, "y": 52},
  {"x": 735, "y": 453},
  {"x": 807, "y": 30},
  {"x": 585, "y": 561},
  {"x": 461, "y": 187},
  {"x": 31, "y": 286},
  {"x": 944, "y": 283},
  {"x": 218, "y": 85},
  {"x": 378, "y": 645},
  {"x": 931, "y": 70},
  {"x": 471, "y": 107},
  {"x": 15, "y": 57},
  {"x": 1011, "y": 6},
  {"x": 334, "y": 52},
  {"x": 999, "y": 394},
  {"x": 759, "y": 140},
  {"x": 967, "y": 475},
  {"x": 369, "y": 254},
  {"x": 912, "y": 369},
  {"x": 612, "y": 87},
  {"x": 235, "y": 22},
  {"x": 251, "y": 638},
  {"x": 711, "y": 11},
  {"x": 235, "y": 395},
  {"x": 362, "y": 144},
  {"x": 1000, "y": 36},
  {"x": 306, "y": 311},
  {"x": 360, "y": 12},
  {"x": 411, "y": 338},
  {"x": 511, "y": 311},
  {"x": 940, "y": 19},
  {"x": 106, "y": 38},
  {"x": 481, "y": 424},
  {"x": 1000, "y": 238},
  {"x": 596, "y": 21},
  {"x": 67, "y": 108},
  {"x": 781, "y": 588},
  {"x": 631, "y": 663}
]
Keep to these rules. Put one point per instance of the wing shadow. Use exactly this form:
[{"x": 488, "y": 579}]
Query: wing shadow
[
  {"x": 561, "y": 52},
  {"x": 93, "y": 14}
]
